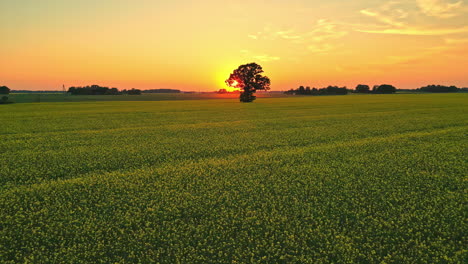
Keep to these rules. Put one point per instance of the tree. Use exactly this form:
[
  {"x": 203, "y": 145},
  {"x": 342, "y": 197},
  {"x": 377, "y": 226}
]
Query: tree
[
  {"x": 362, "y": 88},
  {"x": 385, "y": 89},
  {"x": 439, "y": 89},
  {"x": 249, "y": 79},
  {"x": 4, "y": 90},
  {"x": 301, "y": 90},
  {"x": 134, "y": 91}
]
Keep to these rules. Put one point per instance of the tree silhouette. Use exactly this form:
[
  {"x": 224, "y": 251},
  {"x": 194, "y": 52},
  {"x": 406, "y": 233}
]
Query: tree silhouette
[
  {"x": 384, "y": 89},
  {"x": 249, "y": 79},
  {"x": 439, "y": 89},
  {"x": 4, "y": 90},
  {"x": 362, "y": 88},
  {"x": 330, "y": 90},
  {"x": 301, "y": 90}
]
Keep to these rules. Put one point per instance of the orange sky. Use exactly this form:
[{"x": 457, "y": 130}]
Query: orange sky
[{"x": 194, "y": 45}]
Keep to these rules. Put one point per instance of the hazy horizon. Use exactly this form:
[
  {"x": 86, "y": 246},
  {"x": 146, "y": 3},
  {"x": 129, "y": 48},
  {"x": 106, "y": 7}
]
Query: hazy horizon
[{"x": 193, "y": 46}]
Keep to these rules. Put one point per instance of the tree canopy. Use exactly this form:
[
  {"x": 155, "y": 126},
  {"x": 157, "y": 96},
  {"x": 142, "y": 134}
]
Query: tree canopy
[
  {"x": 439, "y": 89},
  {"x": 330, "y": 90},
  {"x": 248, "y": 78},
  {"x": 99, "y": 90},
  {"x": 4, "y": 90},
  {"x": 384, "y": 89},
  {"x": 362, "y": 88}
]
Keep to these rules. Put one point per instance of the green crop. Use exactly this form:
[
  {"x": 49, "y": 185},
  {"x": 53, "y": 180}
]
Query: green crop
[{"x": 350, "y": 179}]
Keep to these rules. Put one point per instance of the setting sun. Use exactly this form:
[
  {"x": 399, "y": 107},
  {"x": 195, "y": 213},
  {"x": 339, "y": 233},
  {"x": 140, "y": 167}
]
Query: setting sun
[
  {"x": 246, "y": 131},
  {"x": 235, "y": 83},
  {"x": 405, "y": 43}
]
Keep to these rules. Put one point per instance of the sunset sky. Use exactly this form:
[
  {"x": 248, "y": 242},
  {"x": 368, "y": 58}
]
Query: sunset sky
[{"x": 194, "y": 45}]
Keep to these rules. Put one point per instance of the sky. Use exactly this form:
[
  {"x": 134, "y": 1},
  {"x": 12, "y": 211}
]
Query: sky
[{"x": 194, "y": 45}]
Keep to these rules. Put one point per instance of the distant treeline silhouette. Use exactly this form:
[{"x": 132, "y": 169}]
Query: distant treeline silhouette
[
  {"x": 162, "y": 91},
  {"x": 377, "y": 89},
  {"x": 330, "y": 90},
  {"x": 335, "y": 90},
  {"x": 224, "y": 91},
  {"x": 439, "y": 89},
  {"x": 99, "y": 90},
  {"x": 36, "y": 92}
]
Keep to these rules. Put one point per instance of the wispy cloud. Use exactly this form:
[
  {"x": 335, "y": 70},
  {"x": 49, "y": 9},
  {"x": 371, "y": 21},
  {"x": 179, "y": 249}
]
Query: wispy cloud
[
  {"x": 440, "y": 8},
  {"x": 288, "y": 35},
  {"x": 321, "y": 48},
  {"x": 388, "y": 20},
  {"x": 326, "y": 30},
  {"x": 455, "y": 41},
  {"x": 266, "y": 58},
  {"x": 247, "y": 54},
  {"x": 393, "y": 20},
  {"x": 317, "y": 39},
  {"x": 417, "y": 31}
]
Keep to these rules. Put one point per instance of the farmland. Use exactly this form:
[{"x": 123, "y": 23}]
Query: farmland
[
  {"x": 361, "y": 178},
  {"x": 60, "y": 97}
]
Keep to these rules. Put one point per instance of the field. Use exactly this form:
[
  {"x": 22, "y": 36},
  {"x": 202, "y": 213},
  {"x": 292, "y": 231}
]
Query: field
[
  {"x": 361, "y": 178},
  {"x": 60, "y": 97}
]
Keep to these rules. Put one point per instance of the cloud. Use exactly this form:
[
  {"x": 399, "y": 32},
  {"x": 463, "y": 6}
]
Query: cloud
[
  {"x": 417, "y": 31},
  {"x": 393, "y": 20},
  {"x": 253, "y": 36},
  {"x": 322, "y": 48},
  {"x": 312, "y": 40},
  {"x": 288, "y": 35},
  {"x": 455, "y": 41},
  {"x": 247, "y": 54},
  {"x": 388, "y": 20},
  {"x": 326, "y": 30},
  {"x": 440, "y": 8},
  {"x": 266, "y": 58}
]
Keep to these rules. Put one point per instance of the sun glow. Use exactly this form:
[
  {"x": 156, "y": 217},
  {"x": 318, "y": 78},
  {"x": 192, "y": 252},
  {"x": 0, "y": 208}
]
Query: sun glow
[{"x": 233, "y": 86}]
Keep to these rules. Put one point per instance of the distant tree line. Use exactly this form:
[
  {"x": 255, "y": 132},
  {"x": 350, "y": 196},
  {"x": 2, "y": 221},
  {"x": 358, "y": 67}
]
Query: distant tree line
[
  {"x": 224, "y": 91},
  {"x": 99, "y": 90},
  {"x": 439, "y": 89},
  {"x": 335, "y": 90},
  {"x": 36, "y": 92},
  {"x": 162, "y": 91},
  {"x": 377, "y": 89},
  {"x": 330, "y": 90}
]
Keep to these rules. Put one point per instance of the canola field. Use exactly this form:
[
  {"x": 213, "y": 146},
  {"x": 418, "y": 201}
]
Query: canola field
[{"x": 330, "y": 179}]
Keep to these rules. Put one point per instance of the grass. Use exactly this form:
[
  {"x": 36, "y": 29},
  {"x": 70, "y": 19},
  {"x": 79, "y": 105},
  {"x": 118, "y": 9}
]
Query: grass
[
  {"x": 60, "y": 97},
  {"x": 358, "y": 178}
]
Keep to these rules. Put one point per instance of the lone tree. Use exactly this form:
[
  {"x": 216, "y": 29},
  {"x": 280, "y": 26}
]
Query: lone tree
[
  {"x": 4, "y": 90},
  {"x": 249, "y": 79}
]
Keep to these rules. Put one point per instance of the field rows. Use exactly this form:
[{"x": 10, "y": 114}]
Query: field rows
[{"x": 292, "y": 180}]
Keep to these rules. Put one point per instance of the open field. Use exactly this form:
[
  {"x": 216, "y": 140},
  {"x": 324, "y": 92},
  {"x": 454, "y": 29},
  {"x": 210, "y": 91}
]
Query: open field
[
  {"x": 59, "y": 97},
  {"x": 362, "y": 178}
]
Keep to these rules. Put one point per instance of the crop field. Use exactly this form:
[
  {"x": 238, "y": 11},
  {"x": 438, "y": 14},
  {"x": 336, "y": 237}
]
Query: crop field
[
  {"x": 60, "y": 97},
  {"x": 343, "y": 179}
]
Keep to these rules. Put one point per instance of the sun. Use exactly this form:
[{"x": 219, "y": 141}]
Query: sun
[{"x": 233, "y": 86}]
